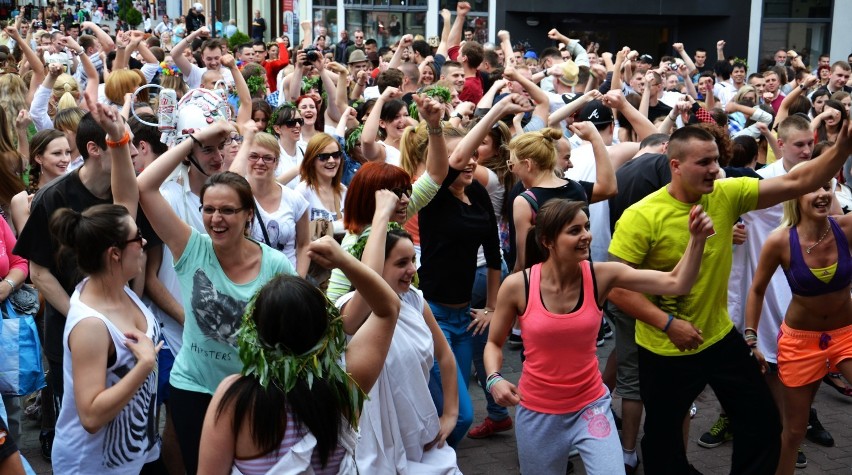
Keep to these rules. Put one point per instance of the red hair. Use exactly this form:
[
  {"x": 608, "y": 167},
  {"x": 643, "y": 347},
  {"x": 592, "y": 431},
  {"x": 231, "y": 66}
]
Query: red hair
[{"x": 360, "y": 203}]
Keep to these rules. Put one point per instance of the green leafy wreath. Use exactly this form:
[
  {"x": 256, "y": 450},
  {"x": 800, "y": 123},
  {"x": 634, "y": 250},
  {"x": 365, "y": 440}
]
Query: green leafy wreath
[{"x": 278, "y": 365}]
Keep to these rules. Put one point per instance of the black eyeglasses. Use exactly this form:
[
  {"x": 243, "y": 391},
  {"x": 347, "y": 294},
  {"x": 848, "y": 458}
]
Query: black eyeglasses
[
  {"x": 138, "y": 239},
  {"x": 402, "y": 191},
  {"x": 234, "y": 138},
  {"x": 324, "y": 157},
  {"x": 225, "y": 211},
  {"x": 266, "y": 158},
  {"x": 294, "y": 122}
]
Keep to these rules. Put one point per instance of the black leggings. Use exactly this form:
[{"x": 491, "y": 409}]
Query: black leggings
[{"x": 188, "y": 409}]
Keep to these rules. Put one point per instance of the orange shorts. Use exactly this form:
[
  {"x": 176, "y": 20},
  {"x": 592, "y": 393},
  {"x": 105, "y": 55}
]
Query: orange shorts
[{"x": 806, "y": 356}]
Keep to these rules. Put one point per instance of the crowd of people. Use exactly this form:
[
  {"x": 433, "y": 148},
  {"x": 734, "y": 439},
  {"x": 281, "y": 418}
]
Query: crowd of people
[{"x": 294, "y": 257}]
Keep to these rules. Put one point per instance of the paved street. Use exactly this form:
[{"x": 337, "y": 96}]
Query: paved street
[{"x": 498, "y": 455}]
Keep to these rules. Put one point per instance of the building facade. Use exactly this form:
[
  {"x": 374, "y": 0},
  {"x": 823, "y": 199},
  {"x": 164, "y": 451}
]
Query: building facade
[{"x": 753, "y": 29}]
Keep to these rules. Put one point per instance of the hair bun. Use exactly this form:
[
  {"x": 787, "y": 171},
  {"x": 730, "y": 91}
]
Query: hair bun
[{"x": 551, "y": 133}]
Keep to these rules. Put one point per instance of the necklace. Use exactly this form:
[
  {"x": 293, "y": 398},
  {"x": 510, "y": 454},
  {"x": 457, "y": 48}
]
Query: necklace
[{"x": 827, "y": 229}]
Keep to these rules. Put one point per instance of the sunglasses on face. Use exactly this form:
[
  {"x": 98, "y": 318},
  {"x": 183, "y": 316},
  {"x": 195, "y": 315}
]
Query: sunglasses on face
[
  {"x": 138, "y": 238},
  {"x": 266, "y": 158},
  {"x": 402, "y": 191},
  {"x": 294, "y": 122},
  {"x": 324, "y": 157},
  {"x": 226, "y": 211}
]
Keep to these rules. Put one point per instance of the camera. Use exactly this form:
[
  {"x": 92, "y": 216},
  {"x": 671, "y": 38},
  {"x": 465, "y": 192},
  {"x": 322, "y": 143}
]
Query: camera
[{"x": 311, "y": 55}]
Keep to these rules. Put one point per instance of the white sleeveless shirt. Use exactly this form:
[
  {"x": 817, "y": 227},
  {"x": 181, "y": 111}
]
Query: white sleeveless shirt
[{"x": 130, "y": 440}]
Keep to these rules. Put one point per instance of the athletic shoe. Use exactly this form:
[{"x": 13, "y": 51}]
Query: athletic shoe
[
  {"x": 515, "y": 341},
  {"x": 490, "y": 427},
  {"x": 718, "y": 434},
  {"x": 801, "y": 460},
  {"x": 816, "y": 432},
  {"x": 607, "y": 330}
]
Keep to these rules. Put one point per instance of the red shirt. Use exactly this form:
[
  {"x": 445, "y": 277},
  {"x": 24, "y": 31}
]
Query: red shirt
[{"x": 274, "y": 66}]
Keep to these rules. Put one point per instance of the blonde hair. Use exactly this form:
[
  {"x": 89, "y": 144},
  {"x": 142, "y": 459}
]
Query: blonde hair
[
  {"x": 538, "y": 147},
  {"x": 267, "y": 141},
  {"x": 176, "y": 82},
  {"x": 119, "y": 83},
  {"x": 412, "y": 148},
  {"x": 13, "y": 99},
  {"x": 791, "y": 215},
  {"x": 66, "y": 92}
]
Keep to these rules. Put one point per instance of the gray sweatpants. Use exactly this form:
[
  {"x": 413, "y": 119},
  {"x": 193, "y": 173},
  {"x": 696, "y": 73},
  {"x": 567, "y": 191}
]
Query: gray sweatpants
[{"x": 544, "y": 440}]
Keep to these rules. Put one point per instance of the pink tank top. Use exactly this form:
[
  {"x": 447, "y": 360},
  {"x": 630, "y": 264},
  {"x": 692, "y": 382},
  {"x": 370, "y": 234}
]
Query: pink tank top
[{"x": 560, "y": 374}]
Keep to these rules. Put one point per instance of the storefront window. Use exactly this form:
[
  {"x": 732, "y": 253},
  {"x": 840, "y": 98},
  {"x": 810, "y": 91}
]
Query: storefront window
[
  {"x": 801, "y": 25},
  {"x": 325, "y": 21},
  {"x": 386, "y": 27}
]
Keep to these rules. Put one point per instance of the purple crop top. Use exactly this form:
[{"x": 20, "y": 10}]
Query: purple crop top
[{"x": 803, "y": 282}]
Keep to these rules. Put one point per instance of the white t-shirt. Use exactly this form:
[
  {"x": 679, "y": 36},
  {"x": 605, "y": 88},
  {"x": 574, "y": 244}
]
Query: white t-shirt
[
  {"x": 585, "y": 169},
  {"x": 318, "y": 210},
  {"x": 281, "y": 224},
  {"x": 193, "y": 79},
  {"x": 392, "y": 154},
  {"x": 287, "y": 161}
]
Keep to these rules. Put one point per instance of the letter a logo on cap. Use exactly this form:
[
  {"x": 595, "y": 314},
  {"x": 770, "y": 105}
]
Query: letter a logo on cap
[{"x": 594, "y": 115}]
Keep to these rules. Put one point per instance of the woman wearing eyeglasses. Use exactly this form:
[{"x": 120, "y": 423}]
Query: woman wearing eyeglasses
[
  {"x": 218, "y": 273},
  {"x": 281, "y": 217},
  {"x": 287, "y": 123}
]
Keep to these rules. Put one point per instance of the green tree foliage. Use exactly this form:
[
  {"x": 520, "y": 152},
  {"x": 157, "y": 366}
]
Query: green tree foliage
[
  {"x": 128, "y": 14},
  {"x": 237, "y": 39}
]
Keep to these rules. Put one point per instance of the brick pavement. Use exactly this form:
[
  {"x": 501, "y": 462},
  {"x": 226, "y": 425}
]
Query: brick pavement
[{"x": 498, "y": 454}]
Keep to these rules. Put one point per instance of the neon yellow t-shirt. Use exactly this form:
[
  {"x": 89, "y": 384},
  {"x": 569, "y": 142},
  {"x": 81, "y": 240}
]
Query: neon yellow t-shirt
[{"x": 653, "y": 234}]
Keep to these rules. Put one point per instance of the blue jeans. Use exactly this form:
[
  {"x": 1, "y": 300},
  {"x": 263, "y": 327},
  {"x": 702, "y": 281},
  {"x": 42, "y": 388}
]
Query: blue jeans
[
  {"x": 454, "y": 323},
  {"x": 496, "y": 412}
]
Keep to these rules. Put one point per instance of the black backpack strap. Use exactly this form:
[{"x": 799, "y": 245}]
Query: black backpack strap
[
  {"x": 533, "y": 201},
  {"x": 262, "y": 224},
  {"x": 526, "y": 286}
]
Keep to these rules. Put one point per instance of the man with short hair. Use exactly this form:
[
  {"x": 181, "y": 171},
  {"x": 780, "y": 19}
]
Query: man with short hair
[
  {"x": 700, "y": 60},
  {"x": 258, "y": 27},
  {"x": 692, "y": 336},
  {"x": 357, "y": 45},
  {"x": 211, "y": 55},
  {"x": 651, "y": 96},
  {"x": 840, "y": 72},
  {"x": 772, "y": 94},
  {"x": 738, "y": 74},
  {"x": 453, "y": 72},
  {"x": 370, "y": 46},
  {"x": 824, "y": 60},
  {"x": 245, "y": 53},
  {"x": 756, "y": 81},
  {"x": 780, "y": 57},
  {"x": 259, "y": 47},
  {"x": 341, "y": 47},
  {"x": 470, "y": 57}
]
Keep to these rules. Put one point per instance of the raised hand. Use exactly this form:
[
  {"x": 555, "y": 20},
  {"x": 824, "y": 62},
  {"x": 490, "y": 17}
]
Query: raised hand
[
  {"x": 54, "y": 69},
  {"x": 336, "y": 68},
  {"x": 406, "y": 41},
  {"x": 585, "y": 130},
  {"x": 430, "y": 110},
  {"x": 503, "y": 35},
  {"x": 107, "y": 117},
  {"x": 515, "y": 104},
  {"x": 326, "y": 252},
  {"x": 23, "y": 120},
  {"x": 720, "y": 44},
  {"x": 228, "y": 61},
  {"x": 391, "y": 93},
  {"x": 678, "y": 47},
  {"x": 462, "y": 9}
]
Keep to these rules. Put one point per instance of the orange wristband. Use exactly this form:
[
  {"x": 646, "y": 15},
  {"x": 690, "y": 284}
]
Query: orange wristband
[{"x": 121, "y": 143}]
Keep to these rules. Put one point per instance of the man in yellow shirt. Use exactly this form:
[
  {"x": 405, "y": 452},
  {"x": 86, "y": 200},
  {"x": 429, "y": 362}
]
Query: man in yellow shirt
[{"x": 688, "y": 342}]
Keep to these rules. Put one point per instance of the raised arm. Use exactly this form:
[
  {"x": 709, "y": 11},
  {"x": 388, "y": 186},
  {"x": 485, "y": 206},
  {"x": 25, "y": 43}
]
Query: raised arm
[
  {"x": 462, "y": 9},
  {"x": 443, "y": 46},
  {"x": 88, "y": 67},
  {"x": 506, "y": 46},
  {"x": 299, "y": 71},
  {"x": 125, "y": 192},
  {"x": 810, "y": 175},
  {"x": 437, "y": 162},
  {"x": 681, "y": 51},
  {"x": 368, "y": 348},
  {"x": 334, "y": 107},
  {"x": 720, "y": 50},
  {"x": 107, "y": 44},
  {"x": 372, "y": 150},
  {"x": 168, "y": 226},
  {"x": 31, "y": 56},
  {"x": 356, "y": 311},
  {"x": 784, "y": 110},
  {"x": 605, "y": 183},
  {"x": 542, "y": 102},
  {"x": 240, "y": 163},
  {"x": 620, "y": 57},
  {"x": 569, "y": 109},
  {"x": 244, "y": 112},
  {"x": 640, "y": 123},
  {"x": 177, "y": 51},
  {"x": 396, "y": 60}
]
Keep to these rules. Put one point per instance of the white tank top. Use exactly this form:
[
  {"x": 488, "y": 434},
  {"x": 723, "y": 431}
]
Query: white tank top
[{"x": 130, "y": 440}]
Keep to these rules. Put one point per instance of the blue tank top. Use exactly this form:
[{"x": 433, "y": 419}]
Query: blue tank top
[{"x": 803, "y": 282}]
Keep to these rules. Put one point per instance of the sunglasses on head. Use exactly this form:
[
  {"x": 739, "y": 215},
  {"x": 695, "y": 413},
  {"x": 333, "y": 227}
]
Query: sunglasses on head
[
  {"x": 294, "y": 122},
  {"x": 406, "y": 190},
  {"x": 324, "y": 157}
]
